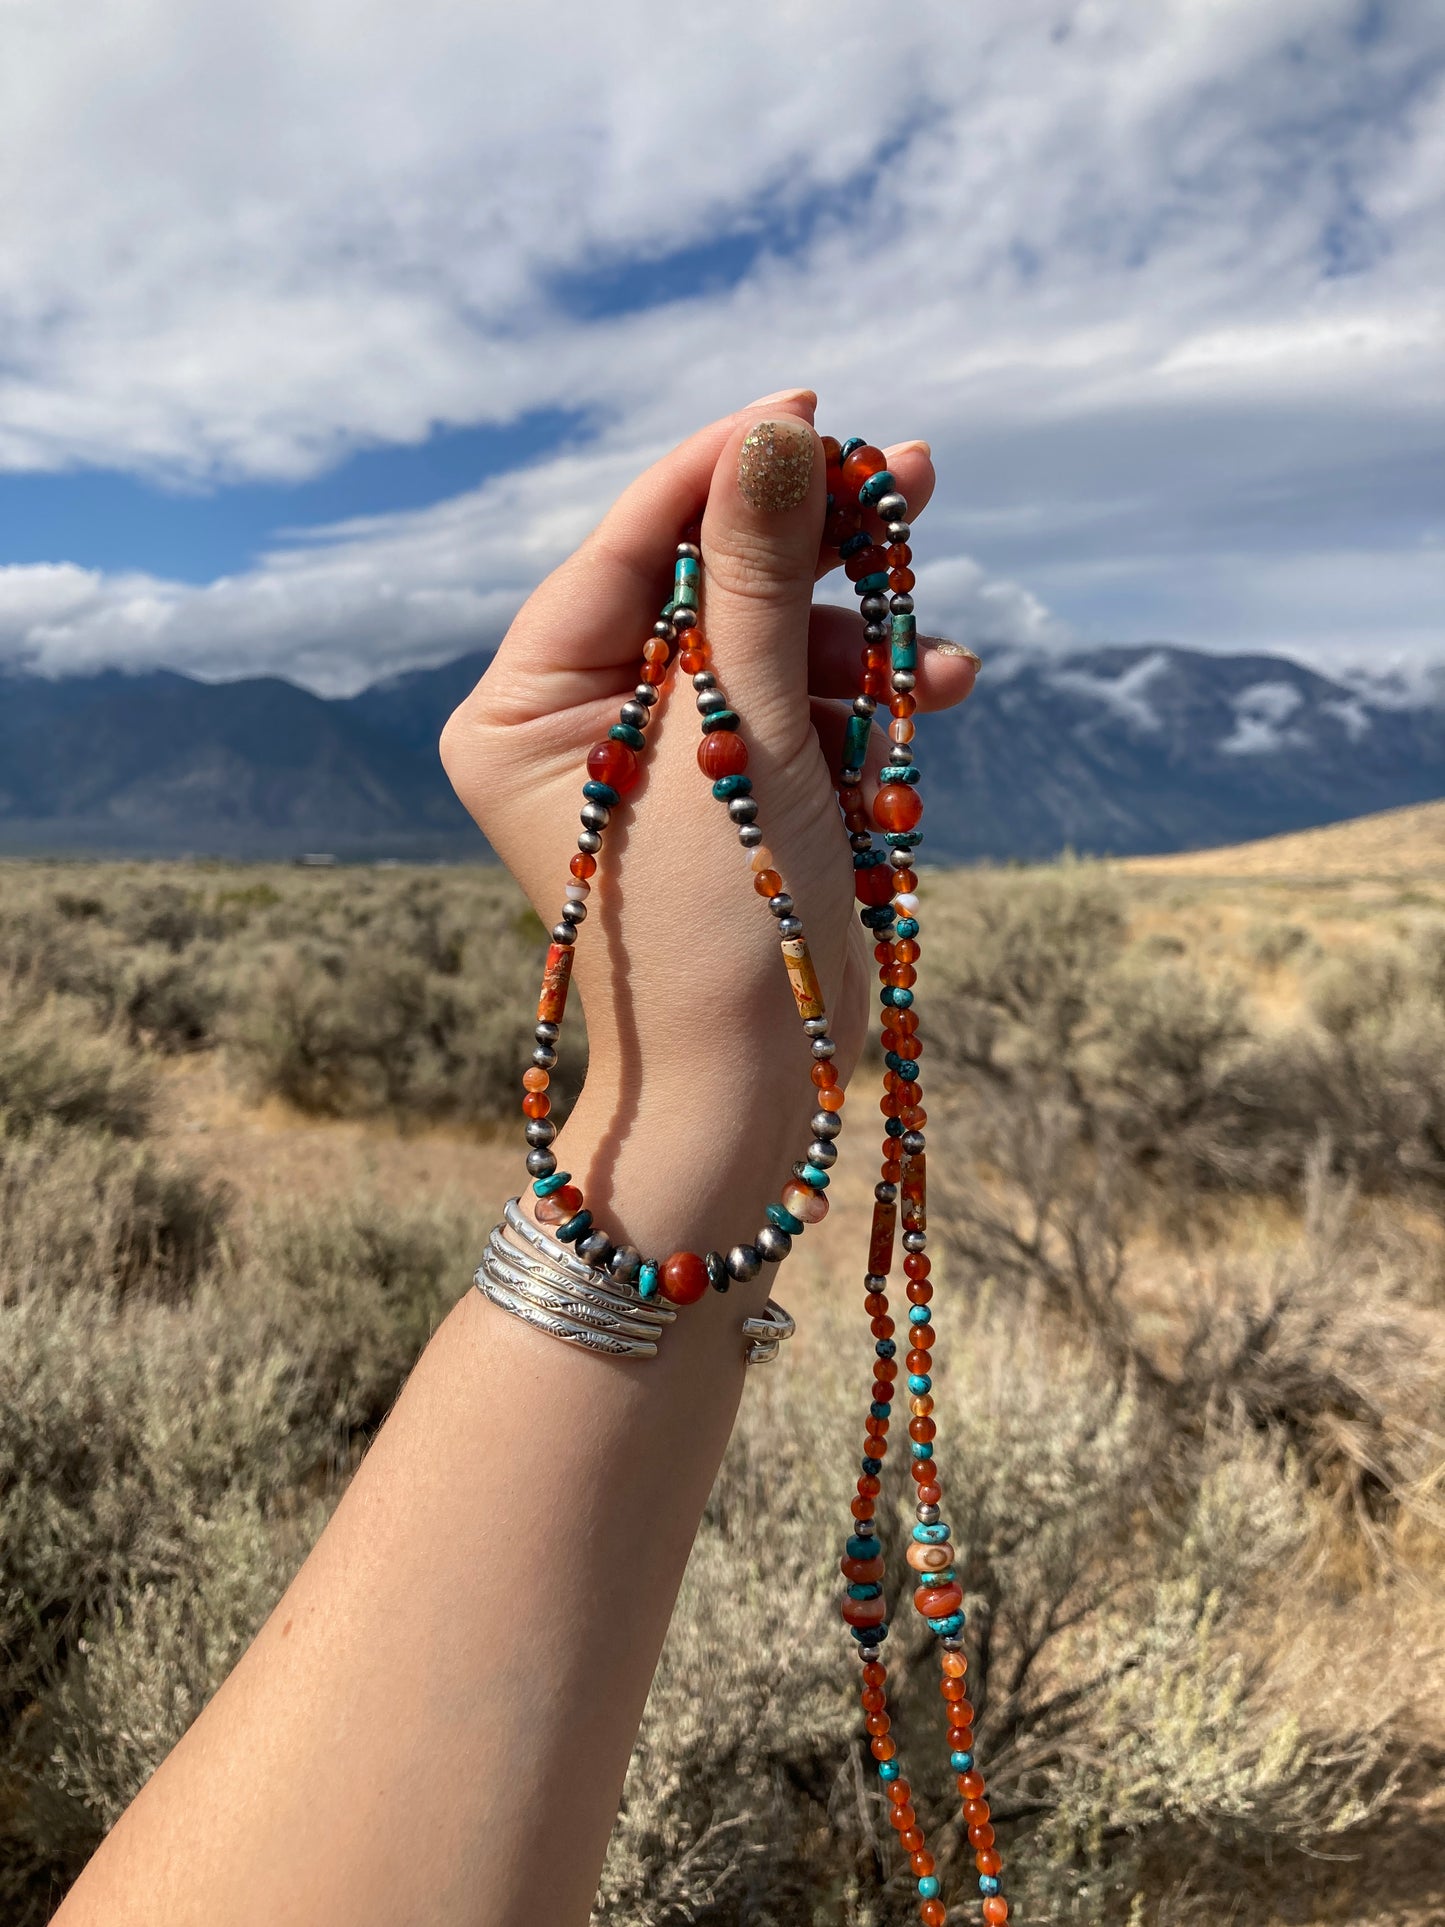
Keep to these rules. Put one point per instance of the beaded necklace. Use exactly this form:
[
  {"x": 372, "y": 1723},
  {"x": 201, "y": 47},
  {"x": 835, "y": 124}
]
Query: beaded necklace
[{"x": 878, "y": 563}]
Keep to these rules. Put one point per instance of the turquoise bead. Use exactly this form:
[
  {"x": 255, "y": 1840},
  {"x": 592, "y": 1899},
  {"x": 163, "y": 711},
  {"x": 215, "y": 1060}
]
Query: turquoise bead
[
  {"x": 928, "y": 1887},
  {"x": 810, "y": 1174},
  {"x": 647, "y": 1279},
  {"x": 988, "y": 1884},
  {"x": 907, "y": 1068},
  {"x": 877, "y": 485},
  {"x": 918, "y": 1314},
  {"x": 574, "y": 1227},
  {"x": 961, "y": 1762},
  {"x": 720, "y": 719},
  {"x": 888, "y": 1769},
  {"x": 931, "y": 1535},
  {"x": 686, "y": 597},
  {"x": 780, "y": 1215},
  {"x": 903, "y": 628},
  {"x": 919, "y": 1383},
  {"x": 921, "y": 1449},
  {"x": 905, "y": 655},
  {"x": 544, "y": 1187},
  {"x": 855, "y": 742},
  {"x": 625, "y": 733},
  {"x": 954, "y": 1623},
  {"x": 859, "y": 1548},
  {"x": 727, "y": 787},
  {"x": 871, "y": 1590},
  {"x": 601, "y": 793},
  {"x": 853, "y": 441},
  {"x": 874, "y": 584},
  {"x": 908, "y": 927},
  {"x": 687, "y": 569}
]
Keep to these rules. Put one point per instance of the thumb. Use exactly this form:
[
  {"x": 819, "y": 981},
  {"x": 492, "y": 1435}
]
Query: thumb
[{"x": 760, "y": 537}]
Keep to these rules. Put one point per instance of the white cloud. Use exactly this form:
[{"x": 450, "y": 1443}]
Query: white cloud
[{"x": 1144, "y": 276}]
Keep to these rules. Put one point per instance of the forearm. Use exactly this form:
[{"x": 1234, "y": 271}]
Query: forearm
[{"x": 435, "y": 1722}]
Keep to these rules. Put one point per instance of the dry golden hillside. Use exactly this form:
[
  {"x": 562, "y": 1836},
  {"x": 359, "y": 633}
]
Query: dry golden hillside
[{"x": 1395, "y": 843}]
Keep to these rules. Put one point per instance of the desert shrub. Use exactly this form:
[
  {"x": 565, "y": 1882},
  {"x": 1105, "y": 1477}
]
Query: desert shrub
[
  {"x": 171, "y": 1004},
  {"x": 84, "y": 1212},
  {"x": 57, "y": 1067}
]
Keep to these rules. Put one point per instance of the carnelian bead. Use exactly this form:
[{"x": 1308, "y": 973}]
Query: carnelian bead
[
  {"x": 767, "y": 883},
  {"x": 830, "y": 1100},
  {"x": 861, "y": 1572},
  {"x": 874, "y": 885},
  {"x": 865, "y": 562},
  {"x": 900, "y": 581},
  {"x": 654, "y": 673},
  {"x": 975, "y": 1812},
  {"x": 536, "y": 1104},
  {"x": 899, "y": 555},
  {"x": 921, "y": 1863},
  {"x": 903, "y": 1819},
  {"x": 535, "y": 1080},
  {"x": 995, "y": 1910},
  {"x": 722, "y": 752},
  {"x": 878, "y": 1724},
  {"x": 832, "y": 449},
  {"x": 824, "y": 1075},
  {"x": 955, "y": 1665},
  {"x": 883, "y": 1748},
  {"x": 692, "y": 660},
  {"x": 933, "y": 1913},
  {"x": 981, "y": 1836},
  {"x": 937, "y": 1602},
  {"x": 864, "y": 1612},
  {"x": 613, "y": 763},
  {"x": 875, "y": 1672},
  {"x": 872, "y": 1700},
  {"x": 870, "y": 1485},
  {"x": 911, "y": 1840},
  {"x": 970, "y": 1784},
  {"x": 655, "y": 649},
  {"x": 960, "y": 1739},
  {"x": 922, "y": 1429},
  {"x": 862, "y": 463},
  {"x": 897, "y": 807},
  {"x": 684, "y": 1278},
  {"x": 900, "y": 1793},
  {"x": 988, "y": 1861},
  {"x": 929, "y": 1494}
]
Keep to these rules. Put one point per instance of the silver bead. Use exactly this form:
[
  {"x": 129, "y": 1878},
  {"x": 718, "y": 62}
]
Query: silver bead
[
  {"x": 952, "y": 1642},
  {"x": 900, "y": 754},
  {"x": 873, "y": 608},
  {"x": 823, "y": 1047},
  {"x": 821, "y": 1154},
  {"x": 589, "y": 843},
  {"x": 929, "y": 1515},
  {"x": 684, "y": 619},
  {"x": 875, "y": 1281},
  {"x": 914, "y": 1240},
  {"x": 903, "y": 681},
  {"x": 596, "y": 1248},
  {"x": 899, "y": 531},
  {"x": 892, "y": 507},
  {"x": 848, "y": 777},
  {"x": 633, "y": 714},
  {"x": 645, "y": 694},
  {"x": 901, "y": 605},
  {"x": 563, "y": 933},
  {"x": 574, "y": 911},
  {"x": 547, "y": 1032},
  {"x": 790, "y": 927},
  {"x": 662, "y": 629},
  {"x": 825, "y": 1124},
  {"x": 710, "y": 700},
  {"x": 860, "y": 840},
  {"x": 540, "y": 1130},
  {"x": 815, "y": 1027},
  {"x": 876, "y": 632},
  {"x": 541, "y": 1163},
  {"x": 913, "y": 1142},
  {"x": 690, "y": 549},
  {"x": 864, "y": 706},
  {"x": 744, "y": 1262},
  {"x": 781, "y": 905},
  {"x": 900, "y": 859},
  {"x": 595, "y": 816},
  {"x": 544, "y": 1057},
  {"x": 749, "y": 835},
  {"x": 868, "y": 1654},
  {"x": 773, "y": 1244},
  {"x": 742, "y": 809},
  {"x": 886, "y": 1193},
  {"x": 625, "y": 1263}
]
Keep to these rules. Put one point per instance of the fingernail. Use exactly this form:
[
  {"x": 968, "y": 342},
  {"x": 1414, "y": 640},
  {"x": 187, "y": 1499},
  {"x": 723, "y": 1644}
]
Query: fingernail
[
  {"x": 952, "y": 649},
  {"x": 783, "y": 394},
  {"x": 775, "y": 464},
  {"x": 925, "y": 448}
]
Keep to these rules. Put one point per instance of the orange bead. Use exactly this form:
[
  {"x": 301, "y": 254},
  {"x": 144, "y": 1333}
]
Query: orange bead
[
  {"x": 883, "y": 1748},
  {"x": 900, "y": 1793},
  {"x": 955, "y": 1664},
  {"x": 875, "y": 885},
  {"x": 911, "y": 1840},
  {"x": 862, "y": 463},
  {"x": 536, "y": 1104},
  {"x": 830, "y": 1100},
  {"x": 931, "y": 1494},
  {"x": 684, "y": 1278},
  {"x": 655, "y": 650},
  {"x": 900, "y": 581},
  {"x": 560, "y": 1206},
  {"x": 981, "y": 1835},
  {"x": 535, "y": 1080},
  {"x": 614, "y": 763},
  {"x": 922, "y": 1429},
  {"x": 875, "y": 1672},
  {"x": 692, "y": 660},
  {"x": 995, "y": 1910},
  {"x": 988, "y": 1861},
  {"x": 767, "y": 883},
  {"x": 878, "y": 1724},
  {"x": 872, "y": 1700},
  {"x": 903, "y": 1819},
  {"x": 921, "y": 1863},
  {"x": 975, "y": 1812},
  {"x": 897, "y": 807},
  {"x": 970, "y": 1785},
  {"x": 861, "y": 1572},
  {"x": 722, "y": 752},
  {"x": 933, "y": 1913}
]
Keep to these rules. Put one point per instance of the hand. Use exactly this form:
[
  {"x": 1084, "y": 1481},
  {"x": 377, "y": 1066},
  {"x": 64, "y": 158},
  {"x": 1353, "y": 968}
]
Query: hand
[{"x": 688, "y": 1008}]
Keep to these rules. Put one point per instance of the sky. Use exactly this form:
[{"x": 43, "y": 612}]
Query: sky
[{"x": 327, "y": 327}]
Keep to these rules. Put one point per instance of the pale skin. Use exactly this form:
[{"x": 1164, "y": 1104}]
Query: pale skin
[{"x": 434, "y": 1724}]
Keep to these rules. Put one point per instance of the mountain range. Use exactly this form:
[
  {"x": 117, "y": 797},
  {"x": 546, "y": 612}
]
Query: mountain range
[{"x": 1113, "y": 750}]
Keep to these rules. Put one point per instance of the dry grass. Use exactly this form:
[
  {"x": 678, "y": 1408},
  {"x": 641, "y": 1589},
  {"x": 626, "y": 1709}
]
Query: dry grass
[{"x": 1190, "y": 1368}]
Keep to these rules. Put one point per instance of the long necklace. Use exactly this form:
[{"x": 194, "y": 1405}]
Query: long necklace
[{"x": 878, "y": 562}]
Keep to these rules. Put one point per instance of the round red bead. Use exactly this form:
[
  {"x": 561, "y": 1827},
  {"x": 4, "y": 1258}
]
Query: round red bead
[
  {"x": 684, "y": 1278},
  {"x": 873, "y": 885},
  {"x": 897, "y": 806},
  {"x": 613, "y": 763},
  {"x": 722, "y": 752}
]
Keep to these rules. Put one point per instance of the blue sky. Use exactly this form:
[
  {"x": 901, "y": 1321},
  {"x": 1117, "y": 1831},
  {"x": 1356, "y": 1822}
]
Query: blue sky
[{"x": 326, "y": 326}]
